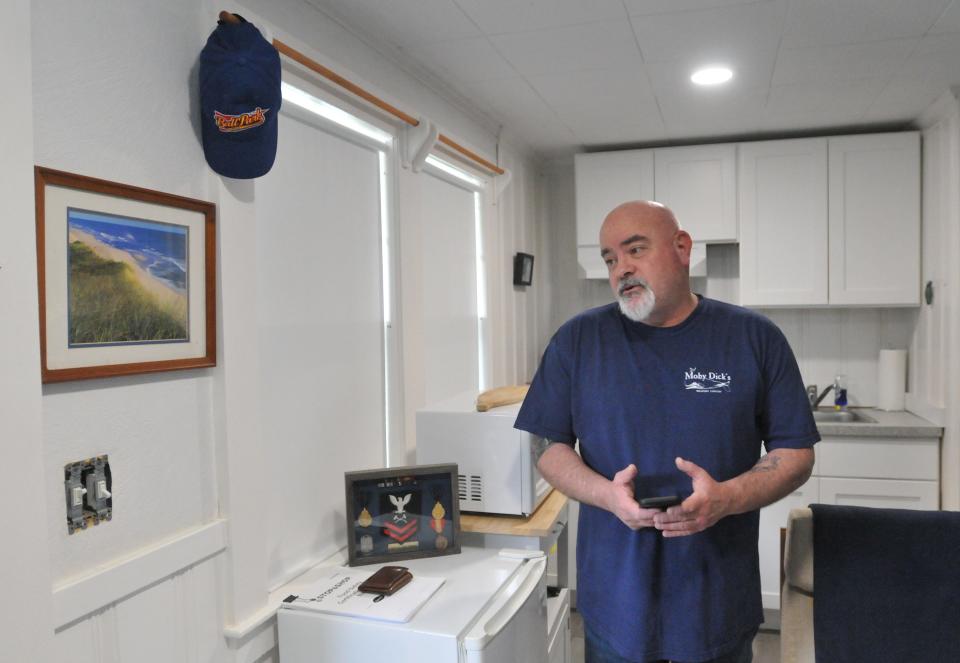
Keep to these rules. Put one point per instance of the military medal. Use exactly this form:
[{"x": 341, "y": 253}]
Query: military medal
[
  {"x": 365, "y": 518},
  {"x": 437, "y": 523},
  {"x": 438, "y": 513}
]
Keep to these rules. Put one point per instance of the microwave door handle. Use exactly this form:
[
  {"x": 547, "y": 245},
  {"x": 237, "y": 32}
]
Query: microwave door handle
[{"x": 493, "y": 624}]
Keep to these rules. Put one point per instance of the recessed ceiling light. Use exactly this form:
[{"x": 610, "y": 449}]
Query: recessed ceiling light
[{"x": 711, "y": 76}]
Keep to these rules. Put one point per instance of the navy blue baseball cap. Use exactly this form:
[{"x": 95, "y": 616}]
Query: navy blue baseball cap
[{"x": 239, "y": 100}]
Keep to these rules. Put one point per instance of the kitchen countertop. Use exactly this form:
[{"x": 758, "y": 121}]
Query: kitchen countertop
[
  {"x": 888, "y": 424},
  {"x": 540, "y": 522}
]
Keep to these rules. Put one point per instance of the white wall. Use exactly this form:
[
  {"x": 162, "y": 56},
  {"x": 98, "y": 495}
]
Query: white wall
[
  {"x": 26, "y": 628},
  {"x": 116, "y": 102},
  {"x": 114, "y": 97},
  {"x": 935, "y": 350}
]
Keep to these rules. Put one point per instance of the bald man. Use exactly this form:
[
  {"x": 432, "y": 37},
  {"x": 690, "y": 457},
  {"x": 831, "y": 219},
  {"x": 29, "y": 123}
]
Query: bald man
[{"x": 668, "y": 393}]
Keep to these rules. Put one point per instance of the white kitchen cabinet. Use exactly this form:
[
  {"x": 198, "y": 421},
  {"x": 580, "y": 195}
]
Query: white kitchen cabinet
[
  {"x": 830, "y": 221},
  {"x": 875, "y": 219},
  {"x": 699, "y": 184},
  {"x": 883, "y": 472},
  {"x": 603, "y": 181},
  {"x": 783, "y": 223},
  {"x": 880, "y": 493}
]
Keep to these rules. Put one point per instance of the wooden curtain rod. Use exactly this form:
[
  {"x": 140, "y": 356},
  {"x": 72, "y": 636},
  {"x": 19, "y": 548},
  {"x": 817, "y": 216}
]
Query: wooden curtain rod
[
  {"x": 330, "y": 75},
  {"x": 318, "y": 68}
]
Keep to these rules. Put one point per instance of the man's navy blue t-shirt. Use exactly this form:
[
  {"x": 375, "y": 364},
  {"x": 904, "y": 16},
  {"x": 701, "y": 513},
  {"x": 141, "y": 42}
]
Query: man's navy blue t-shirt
[{"x": 710, "y": 390}]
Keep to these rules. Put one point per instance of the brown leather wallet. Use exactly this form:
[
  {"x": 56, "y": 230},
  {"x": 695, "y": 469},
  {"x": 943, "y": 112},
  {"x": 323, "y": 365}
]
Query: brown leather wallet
[{"x": 387, "y": 580}]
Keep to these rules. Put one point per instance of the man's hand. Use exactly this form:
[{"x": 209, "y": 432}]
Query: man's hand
[
  {"x": 709, "y": 503},
  {"x": 624, "y": 505}
]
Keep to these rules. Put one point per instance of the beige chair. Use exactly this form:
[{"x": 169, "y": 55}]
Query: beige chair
[{"x": 796, "y": 595}]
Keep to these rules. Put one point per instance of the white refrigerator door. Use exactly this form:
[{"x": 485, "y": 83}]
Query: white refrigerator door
[{"x": 514, "y": 626}]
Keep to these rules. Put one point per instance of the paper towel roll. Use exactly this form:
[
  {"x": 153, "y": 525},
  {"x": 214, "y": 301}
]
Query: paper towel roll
[{"x": 892, "y": 379}]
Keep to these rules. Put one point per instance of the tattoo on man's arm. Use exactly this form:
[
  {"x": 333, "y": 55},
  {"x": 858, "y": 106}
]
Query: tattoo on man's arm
[
  {"x": 540, "y": 445},
  {"x": 766, "y": 464}
]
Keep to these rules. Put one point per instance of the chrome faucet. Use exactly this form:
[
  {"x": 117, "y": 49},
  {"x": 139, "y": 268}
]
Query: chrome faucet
[{"x": 814, "y": 398}]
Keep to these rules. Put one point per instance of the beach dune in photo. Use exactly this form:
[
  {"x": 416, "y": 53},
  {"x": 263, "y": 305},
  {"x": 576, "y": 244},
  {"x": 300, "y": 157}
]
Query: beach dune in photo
[{"x": 115, "y": 299}]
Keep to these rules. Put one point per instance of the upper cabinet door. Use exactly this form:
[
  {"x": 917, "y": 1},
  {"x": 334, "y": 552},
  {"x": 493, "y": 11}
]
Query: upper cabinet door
[
  {"x": 699, "y": 184},
  {"x": 783, "y": 223},
  {"x": 875, "y": 219},
  {"x": 603, "y": 181}
]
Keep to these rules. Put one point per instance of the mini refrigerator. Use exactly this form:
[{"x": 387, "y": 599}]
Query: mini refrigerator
[{"x": 491, "y": 608}]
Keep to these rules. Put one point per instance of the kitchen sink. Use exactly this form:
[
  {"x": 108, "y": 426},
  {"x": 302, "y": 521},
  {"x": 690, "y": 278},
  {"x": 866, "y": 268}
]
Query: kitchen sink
[{"x": 841, "y": 417}]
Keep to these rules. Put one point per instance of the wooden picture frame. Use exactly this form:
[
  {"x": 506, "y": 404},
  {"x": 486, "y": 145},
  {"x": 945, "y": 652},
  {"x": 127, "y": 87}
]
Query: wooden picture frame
[
  {"x": 127, "y": 278},
  {"x": 402, "y": 513},
  {"x": 522, "y": 269}
]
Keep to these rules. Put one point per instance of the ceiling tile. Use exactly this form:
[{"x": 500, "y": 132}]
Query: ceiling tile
[
  {"x": 825, "y": 22},
  {"x": 465, "y": 60},
  {"x": 646, "y": 7},
  {"x": 949, "y": 20},
  {"x": 691, "y": 112},
  {"x": 711, "y": 34},
  {"x": 834, "y": 102},
  {"x": 843, "y": 62},
  {"x": 674, "y": 77},
  {"x": 616, "y": 87},
  {"x": 594, "y": 46},
  {"x": 420, "y": 21},
  {"x": 936, "y": 61},
  {"x": 901, "y": 100},
  {"x": 509, "y": 16},
  {"x": 646, "y": 116},
  {"x": 511, "y": 101},
  {"x": 598, "y": 135},
  {"x": 546, "y": 137}
]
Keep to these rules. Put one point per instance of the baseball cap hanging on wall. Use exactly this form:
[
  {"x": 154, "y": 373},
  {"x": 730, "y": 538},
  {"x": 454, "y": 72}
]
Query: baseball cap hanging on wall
[{"x": 239, "y": 99}]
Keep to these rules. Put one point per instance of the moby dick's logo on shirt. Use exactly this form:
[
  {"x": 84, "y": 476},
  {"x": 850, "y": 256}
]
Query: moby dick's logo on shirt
[
  {"x": 706, "y": 382},
  {"x": 231, "y": 123}
]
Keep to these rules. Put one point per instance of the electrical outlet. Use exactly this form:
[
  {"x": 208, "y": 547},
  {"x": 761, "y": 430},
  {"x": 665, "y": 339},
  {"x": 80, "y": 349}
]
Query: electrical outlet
[{"x": 87, "y": 486}]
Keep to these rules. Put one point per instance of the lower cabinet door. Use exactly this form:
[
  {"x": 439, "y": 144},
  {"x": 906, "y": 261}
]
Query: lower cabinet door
[
  {"x": 772, "y": 518},
  {"x": 881, "y": 493}
]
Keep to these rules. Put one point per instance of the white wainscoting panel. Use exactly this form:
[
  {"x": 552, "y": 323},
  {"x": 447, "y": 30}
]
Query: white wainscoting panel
[
  {"x": 175, "y": 618},
  {"x": 111, "y": 583}
]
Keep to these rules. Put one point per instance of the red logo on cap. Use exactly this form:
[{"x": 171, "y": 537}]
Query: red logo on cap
[{"x": 241, "y": 122}]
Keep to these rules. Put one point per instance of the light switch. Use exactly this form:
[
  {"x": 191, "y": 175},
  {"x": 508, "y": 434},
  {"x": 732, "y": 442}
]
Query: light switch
[
  {"x": 78, "y": 493},
  {"x": 102, "y": 492}
]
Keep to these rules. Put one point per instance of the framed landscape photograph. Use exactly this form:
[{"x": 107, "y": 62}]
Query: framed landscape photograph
[
  {"x": 402, "y": 513},
  {"x": 127, "y": 279}
]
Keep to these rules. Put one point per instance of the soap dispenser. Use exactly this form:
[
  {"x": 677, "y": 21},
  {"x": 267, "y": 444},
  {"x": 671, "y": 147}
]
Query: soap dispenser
[{"x": 840, "y": 392}]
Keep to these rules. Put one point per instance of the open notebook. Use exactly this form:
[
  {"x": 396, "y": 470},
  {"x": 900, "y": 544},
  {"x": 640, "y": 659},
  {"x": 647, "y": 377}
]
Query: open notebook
[{"x": 336, "y": 593}]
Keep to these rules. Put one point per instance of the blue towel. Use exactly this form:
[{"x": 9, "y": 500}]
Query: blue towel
[{"x": 886, "y": 585}]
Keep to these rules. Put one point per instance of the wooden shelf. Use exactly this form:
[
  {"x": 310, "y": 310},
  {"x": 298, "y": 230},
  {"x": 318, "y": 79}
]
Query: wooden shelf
[{"x": 539, "y": 523}]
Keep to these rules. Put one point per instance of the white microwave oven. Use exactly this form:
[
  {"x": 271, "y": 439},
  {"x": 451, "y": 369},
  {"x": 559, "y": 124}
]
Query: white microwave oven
[{"x": 497, "y": 464}]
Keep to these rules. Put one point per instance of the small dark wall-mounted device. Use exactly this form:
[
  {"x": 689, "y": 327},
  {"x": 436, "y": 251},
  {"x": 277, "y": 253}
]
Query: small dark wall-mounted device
[{"x": 522, "y": 269}]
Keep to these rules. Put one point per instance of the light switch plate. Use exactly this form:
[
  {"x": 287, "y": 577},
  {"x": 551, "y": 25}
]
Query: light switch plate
[{"x": 87, "y": 486}]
